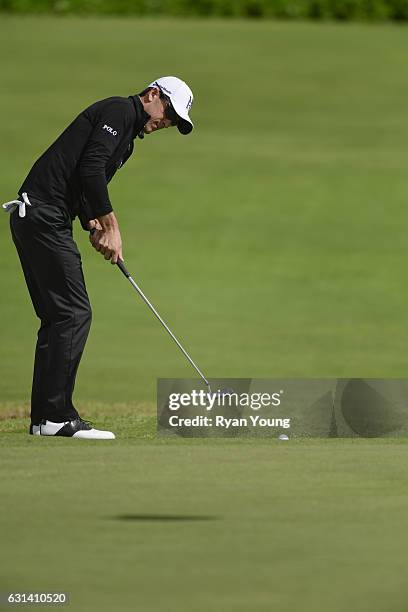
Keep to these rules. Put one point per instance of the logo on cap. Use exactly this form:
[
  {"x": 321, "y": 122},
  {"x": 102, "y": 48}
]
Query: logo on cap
[
  {"x": 189, "y": 103},
  {"x": 160, "y": 86}
]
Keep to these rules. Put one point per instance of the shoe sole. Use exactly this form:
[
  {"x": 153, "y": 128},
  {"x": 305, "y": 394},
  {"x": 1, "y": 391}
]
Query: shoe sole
[{"x": 83, "y": 434}]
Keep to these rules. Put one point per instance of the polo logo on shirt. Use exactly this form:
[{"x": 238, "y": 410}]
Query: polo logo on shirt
[{"x": 109, "y": 129}]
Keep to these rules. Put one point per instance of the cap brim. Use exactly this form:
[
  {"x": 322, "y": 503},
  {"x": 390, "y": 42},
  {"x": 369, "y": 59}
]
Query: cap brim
[{"x": 184, "y": 126}]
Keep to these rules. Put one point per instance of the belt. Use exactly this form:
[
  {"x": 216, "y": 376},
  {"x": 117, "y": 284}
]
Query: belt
[{"x": 21, "y": 205}]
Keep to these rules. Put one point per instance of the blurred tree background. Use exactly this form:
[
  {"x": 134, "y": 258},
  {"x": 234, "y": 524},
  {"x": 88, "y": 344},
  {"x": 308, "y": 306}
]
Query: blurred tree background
[{"x": 342, "y": 10}]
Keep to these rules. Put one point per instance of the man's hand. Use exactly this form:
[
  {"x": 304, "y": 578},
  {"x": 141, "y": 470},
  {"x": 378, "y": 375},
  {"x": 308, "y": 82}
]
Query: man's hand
[
  {"x": 107, "y": 239},
  {"x": 93, "y": 224}
]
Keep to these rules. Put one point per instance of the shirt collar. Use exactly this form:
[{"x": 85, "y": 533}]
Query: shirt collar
[{"x": 141, "y": 117}]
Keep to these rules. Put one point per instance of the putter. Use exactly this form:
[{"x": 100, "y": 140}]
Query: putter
[{"x": 124, "y": 270}]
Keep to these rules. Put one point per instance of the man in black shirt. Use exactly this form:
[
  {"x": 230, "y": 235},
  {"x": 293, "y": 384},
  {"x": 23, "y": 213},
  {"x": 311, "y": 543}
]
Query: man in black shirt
[{"x": 70, "y": 179}]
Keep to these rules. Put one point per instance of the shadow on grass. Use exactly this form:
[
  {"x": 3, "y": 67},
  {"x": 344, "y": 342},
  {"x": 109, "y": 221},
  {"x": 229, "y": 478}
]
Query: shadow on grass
[{"x": 164, "y": 517}]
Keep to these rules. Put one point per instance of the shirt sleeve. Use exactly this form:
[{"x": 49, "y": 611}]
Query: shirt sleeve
[
  {"x": 104, "y": 139},
  {"x": 95, "y": 192}
]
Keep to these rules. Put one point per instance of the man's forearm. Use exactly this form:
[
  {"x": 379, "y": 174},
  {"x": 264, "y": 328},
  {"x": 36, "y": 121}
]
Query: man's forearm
[
  {"x": 96, "y": 195},
  {"x": 108, "y": 222}
]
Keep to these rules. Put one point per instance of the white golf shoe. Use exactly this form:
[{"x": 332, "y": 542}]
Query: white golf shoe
[{"x": 70, "y": 429}]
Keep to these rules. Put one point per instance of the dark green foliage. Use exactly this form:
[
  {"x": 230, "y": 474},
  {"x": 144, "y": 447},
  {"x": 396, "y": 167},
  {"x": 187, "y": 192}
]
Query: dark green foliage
[
  {"x": 398, "y": 9},
  {"x": 342, "y": 10}
]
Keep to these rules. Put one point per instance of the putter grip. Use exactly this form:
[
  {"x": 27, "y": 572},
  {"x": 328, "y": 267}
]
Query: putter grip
[{"x": 122, "y": 267}]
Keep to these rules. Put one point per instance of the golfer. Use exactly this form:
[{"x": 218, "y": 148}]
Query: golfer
[{"x": 69, "y": 180}]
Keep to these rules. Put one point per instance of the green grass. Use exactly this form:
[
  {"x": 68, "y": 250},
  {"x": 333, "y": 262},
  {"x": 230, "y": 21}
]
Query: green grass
[
  {"x": 273, "y": 241},
  {"x": 156, "y": 524}
]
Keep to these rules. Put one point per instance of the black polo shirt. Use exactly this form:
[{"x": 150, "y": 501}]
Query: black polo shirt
[{"x": 75, "y": 170}]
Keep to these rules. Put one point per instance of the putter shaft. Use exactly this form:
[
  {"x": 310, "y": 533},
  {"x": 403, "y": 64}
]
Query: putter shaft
[{"x": 124, "y": 270}]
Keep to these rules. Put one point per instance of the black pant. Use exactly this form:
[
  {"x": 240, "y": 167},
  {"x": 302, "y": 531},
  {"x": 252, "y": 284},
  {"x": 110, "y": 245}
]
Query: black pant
[{"x": 52, "y": 268}]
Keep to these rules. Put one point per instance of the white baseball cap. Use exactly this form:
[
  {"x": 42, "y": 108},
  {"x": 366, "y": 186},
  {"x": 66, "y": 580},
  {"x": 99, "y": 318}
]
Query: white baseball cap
[{"x": 181, "y": 98}]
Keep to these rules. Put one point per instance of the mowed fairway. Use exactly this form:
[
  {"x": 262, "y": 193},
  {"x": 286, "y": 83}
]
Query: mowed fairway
[
  {"x": 273, "y": 240},
  {"x": 140, "y": 524}
]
